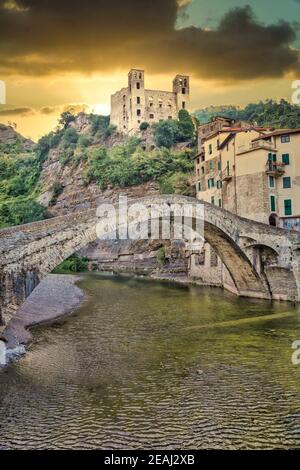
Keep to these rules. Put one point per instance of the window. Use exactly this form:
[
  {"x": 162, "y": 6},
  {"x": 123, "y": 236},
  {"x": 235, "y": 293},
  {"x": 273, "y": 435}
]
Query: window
[
  {"x": 273, "y": 204},
  {"x": 287, "y": 207},
  {"x": 140, "y": 76},
  {"x": 219, "y": 184},
  {"x": 160, "y": 103},
  {"x": 219, "y": 165},
  {"x": 220, "y": 202},
  {"x": 151, "y": 116},
  {"x": 286, "y": 158},
  {"x": 210, "y": 149},
  {"x": 212, "y": 199},
  {"x": 203, "y": 158},
  {"x": 199, "y": 186},
  {"x": 198, "y": 160},
  {"x": 124, "y": 97},
  {"x": 285, "y": 139},
  {"x": 198, "y": 172},
  {"x": 183, "y": 105},
  {"x": 138, "y": 100},
  {"x": 271, "y": 182},
  {"x": 286, "y": 182},
  {"x": 138, "y": 85},
  {"x": 210, "y": 183},
  {"x": 183, "y": 91},
  {"x": 210, "y": 165},
  {"x": 170, "y": 117},
  {"x": 202, "y": 169},
  {"x": 138, "y": 112}
]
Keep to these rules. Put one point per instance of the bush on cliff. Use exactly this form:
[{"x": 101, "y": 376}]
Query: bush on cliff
[
  {"x": 170, "y": 132},
  {"x": 21, "y": 211},
  {"x": 128, "y": 165}
]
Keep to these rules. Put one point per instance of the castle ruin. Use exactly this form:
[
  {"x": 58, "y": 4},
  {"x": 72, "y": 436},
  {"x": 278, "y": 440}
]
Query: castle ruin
[{"x": 134, "y": 104}]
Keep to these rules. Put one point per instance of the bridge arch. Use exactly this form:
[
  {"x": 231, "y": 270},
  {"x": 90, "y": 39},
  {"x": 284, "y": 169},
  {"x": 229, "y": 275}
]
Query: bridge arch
[{"x": 28, "y": 253}]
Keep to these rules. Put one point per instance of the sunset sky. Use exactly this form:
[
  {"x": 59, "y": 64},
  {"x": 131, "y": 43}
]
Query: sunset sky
[{"x": 61, "y": 53}]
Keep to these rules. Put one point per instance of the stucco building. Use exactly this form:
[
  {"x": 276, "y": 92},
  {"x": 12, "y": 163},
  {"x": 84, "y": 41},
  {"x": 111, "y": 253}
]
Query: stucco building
[
  {"x": 253, "y": 172},
  {"x": 134, "y": 104}
]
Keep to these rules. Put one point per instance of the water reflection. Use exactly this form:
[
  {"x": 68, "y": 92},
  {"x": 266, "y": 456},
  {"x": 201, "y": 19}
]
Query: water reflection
[{"x": 154, "y": 365}]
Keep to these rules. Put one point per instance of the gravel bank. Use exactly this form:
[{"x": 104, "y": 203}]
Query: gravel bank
[{"x": 56, "y": 296}]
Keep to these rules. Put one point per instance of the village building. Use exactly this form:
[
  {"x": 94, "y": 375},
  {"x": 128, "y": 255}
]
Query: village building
[{"x": 250, "y": 171}]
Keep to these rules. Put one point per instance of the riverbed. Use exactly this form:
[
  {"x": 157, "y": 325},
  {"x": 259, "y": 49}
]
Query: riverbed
[{"x": 149, "y": 364}]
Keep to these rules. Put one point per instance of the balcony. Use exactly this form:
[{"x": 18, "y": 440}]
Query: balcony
[
  {"x": 275, "y": 168},
  {"x": 262, "y": 144},
  {"x": 226, "y": 174}
]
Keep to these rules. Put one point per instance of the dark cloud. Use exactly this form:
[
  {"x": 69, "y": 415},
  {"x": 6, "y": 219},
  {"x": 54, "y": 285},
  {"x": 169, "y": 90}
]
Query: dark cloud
[
  {"x": 17, "y": 112},
  {"x": 39, "y": 37}
]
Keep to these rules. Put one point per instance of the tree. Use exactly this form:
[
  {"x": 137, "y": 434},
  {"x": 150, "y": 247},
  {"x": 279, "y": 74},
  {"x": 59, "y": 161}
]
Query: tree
[
  {"x": 66, "y": 118},
  {"x": 166, "y": 133},
  {"x": 186, "y": 125}
]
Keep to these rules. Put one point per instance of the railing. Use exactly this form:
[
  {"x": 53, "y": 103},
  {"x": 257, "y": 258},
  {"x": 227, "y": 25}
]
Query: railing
[
  {"x": 226, "y": 174},
  {"x": 262, "y": 144},
  {"x": 276, "y": 168}
]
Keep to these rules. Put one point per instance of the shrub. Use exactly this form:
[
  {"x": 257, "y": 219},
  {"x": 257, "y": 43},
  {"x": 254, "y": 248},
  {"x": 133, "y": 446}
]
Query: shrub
[
  {"x": 57, "y": 189},
  {"x": 177, "y": 183},
  {"x": 70, "y": 137},
  {"x": 144, "y": 126},
  {"x": 84, "y": 141},
  {"x": 20, "y": 212},
  {"x": 161, "y": 255},
  {"x": 72, "y": 264}
]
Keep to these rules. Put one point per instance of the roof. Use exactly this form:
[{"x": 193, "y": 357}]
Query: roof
[
  {"x": 235, "y": 129},
  {"x": 278, "y": 132}
]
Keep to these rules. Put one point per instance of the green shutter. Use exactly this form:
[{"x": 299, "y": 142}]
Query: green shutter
[
  {"x": 212, "y": 199},
  {"x": 220, "y": 202},
  {"x": 273, "y": 204},
  {"x": 286, "y": 158},
  {"x": 288, "y": 207}
]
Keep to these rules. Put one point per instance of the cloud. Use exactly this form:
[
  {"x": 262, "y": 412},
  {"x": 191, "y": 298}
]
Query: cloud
[
  {"x": 43, "y": 38},
  {"x": 17, "y": 112}
]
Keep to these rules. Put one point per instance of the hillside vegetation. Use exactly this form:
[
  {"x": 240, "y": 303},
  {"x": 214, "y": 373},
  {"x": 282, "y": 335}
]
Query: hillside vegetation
[
  {"x": 105, "y": 158},
  {"x": 280, "y": 114}
]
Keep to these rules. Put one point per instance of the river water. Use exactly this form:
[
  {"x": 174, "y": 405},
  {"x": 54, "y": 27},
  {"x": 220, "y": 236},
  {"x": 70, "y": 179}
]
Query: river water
[{"x": 146, "y": 364}]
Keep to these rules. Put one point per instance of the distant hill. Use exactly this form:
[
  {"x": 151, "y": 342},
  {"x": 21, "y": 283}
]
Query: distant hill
[
  {"x": 265, "y": 113},
  {"x": 9, "y": 136}
]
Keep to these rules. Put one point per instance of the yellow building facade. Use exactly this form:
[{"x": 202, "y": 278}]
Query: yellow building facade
[{"x": 252, "y": 172}]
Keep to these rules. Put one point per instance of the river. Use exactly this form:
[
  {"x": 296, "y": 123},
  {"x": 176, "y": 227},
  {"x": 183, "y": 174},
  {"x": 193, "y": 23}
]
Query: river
[{"x": 148, "y": 364}]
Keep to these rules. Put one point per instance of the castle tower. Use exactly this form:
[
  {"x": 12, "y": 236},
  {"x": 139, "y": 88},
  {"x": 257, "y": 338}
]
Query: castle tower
[
  {"x": 136, "y": 86},
  {"x": 181, "y": 87}
]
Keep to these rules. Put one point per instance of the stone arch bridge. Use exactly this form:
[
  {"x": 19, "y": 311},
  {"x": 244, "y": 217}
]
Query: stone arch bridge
[{"x": 263, "y": 261}]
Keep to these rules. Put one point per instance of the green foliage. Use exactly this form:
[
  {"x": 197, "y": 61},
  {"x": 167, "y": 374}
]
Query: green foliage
[
  {"x": 21, "y": 211},
  {"x": 99, "y": 123},
  {"x": 65, "y": 119},
  {"x": 84, "y": 141},
  {"x": 18, "y": 174},
  {"x": 170, "y": 132},
  {"x": 265, "y": 113},
  {"x": 57, "y": 189},
  {"x": 144, "y": 126},
  {"x": 186, "y": 125},
  {"x": 128, "y": 165},
  {"x": 70, "y": 137},
  {"x": 72, "y": 264},
  {"x": 177, "y": 183},
  {"x": 161, "y": 256}
]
